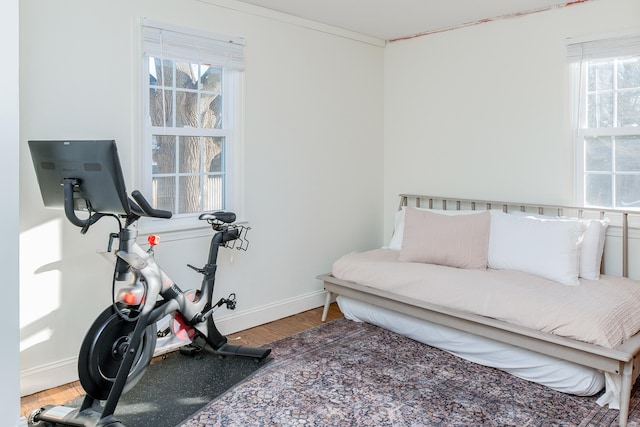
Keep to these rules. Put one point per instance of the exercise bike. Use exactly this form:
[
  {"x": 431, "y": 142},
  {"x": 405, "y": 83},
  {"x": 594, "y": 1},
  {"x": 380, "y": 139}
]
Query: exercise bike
[{"x": 120, "y": 343}]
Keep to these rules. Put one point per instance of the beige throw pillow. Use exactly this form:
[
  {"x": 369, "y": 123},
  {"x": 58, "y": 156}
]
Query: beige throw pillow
[{"x": 456, "y": 241}]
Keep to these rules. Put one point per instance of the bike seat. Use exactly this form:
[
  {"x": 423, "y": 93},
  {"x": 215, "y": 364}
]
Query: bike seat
[{"x": 226, "y": 217}]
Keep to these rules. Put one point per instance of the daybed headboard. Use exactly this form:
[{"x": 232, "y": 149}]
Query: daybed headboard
[{"x": 624, "y": 226}]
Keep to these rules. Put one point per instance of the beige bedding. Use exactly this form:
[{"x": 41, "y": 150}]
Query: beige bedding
[{"x": 603, "y": 312}]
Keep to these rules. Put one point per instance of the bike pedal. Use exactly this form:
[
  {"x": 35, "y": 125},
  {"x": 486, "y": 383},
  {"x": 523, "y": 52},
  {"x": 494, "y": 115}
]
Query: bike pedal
[{"x": 190, "y": 350}]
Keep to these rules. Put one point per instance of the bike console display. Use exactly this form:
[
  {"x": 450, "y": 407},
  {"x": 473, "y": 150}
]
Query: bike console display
[{"x": 90, "y": 167}]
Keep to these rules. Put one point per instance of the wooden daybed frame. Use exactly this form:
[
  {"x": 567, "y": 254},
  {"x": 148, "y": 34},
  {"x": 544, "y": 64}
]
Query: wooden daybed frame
[{"x": 622, "y": 360}]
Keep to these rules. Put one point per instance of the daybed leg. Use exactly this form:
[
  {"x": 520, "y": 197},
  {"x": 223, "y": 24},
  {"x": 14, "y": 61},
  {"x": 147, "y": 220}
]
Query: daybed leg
[
  {"x": 625, "y": 393},
  {"x": 327, "y": 303}
]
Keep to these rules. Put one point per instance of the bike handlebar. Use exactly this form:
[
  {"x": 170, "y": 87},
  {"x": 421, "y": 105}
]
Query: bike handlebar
[
  {"x": 140, "y": 207},
  {"x": 143, "y": 207}
]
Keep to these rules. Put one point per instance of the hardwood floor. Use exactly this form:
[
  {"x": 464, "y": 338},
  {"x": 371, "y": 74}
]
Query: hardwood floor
[{"x": 257, "y": 336}]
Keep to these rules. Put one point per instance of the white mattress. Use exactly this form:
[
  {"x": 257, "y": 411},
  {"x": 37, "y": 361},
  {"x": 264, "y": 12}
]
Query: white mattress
[{"x": 554, "y": 373}]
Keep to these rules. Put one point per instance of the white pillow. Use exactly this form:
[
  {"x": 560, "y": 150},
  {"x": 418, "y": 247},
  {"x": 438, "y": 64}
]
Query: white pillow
[
  {"x": 398, "y": 223},
  {"x": 592, "y": 243},
  {"x": 549, "y": 248},
  {"x": 592, "y": 248}
]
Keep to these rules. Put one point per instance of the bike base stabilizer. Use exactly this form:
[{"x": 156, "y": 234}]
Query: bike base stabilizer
[
  {"x": 242, "y": 351},
  {"x": 53, "y": 416}
]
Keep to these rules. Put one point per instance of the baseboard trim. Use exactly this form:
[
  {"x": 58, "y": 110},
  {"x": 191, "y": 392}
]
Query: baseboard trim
[
  {"x": 47, "y": 376},
  {"x": 62, "y": 372},
  {"x": 241, "y": 320}
]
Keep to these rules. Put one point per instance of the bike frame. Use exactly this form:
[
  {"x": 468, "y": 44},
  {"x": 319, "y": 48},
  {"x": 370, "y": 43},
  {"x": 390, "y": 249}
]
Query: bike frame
[{"x": 158, "y": 283}]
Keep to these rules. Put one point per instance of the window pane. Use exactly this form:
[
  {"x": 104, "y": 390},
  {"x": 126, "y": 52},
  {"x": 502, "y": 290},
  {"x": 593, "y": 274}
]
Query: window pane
[
  {"x": 213, "y": 192},
  {"x": 600, "y": 76},
  {"x": 629, "y": 73},
  {"x": 189, "y": 194},
  {"x": 164, "y": 154},
  {"x": 600, "y": 110},
  {"x": 213, "y": 155},
  {"x": 160, "y": 75},
  {"x": 186, "y": 109},
  {"x": 161, "y": 115},
  {"x": 211, "y": 111},
  {"x": 628, "y": 153},
  {"x": 598, "y": 190},
  {"x": 628, "y": 191},
  {"x": 211, "y": 79},
  {"x": 629, "y": 108},
  {"x": 164, "y": 193},
  {"x": 597, "y": 154},
  {"x": 185, "y": 75},
  {"x": 211, "y": 101},
  {"x": 189, "y": 154}
]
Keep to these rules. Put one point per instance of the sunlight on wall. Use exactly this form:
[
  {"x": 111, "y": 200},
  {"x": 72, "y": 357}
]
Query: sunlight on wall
[
  {"x": 40, "y": 255},
  {"x": 35, "y": 339}
]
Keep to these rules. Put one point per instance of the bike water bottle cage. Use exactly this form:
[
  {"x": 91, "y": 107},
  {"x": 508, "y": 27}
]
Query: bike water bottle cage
[{"x": 232, "y": 235}]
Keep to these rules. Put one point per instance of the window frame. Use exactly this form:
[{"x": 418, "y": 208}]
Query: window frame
[
  {"x": 232, "y": 131},
  {"x": 580, "y": 95}
]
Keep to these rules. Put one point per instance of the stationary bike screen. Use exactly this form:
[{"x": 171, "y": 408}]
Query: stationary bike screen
[{"x": 94, "y": 163}]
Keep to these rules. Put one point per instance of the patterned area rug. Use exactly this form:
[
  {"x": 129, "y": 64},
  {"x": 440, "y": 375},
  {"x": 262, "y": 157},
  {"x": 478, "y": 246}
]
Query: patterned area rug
[{"x": 345, "y": 373}]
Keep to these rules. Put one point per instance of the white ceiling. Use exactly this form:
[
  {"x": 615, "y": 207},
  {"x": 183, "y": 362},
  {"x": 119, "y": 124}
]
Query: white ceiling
[{"x": 394, "y": 19}]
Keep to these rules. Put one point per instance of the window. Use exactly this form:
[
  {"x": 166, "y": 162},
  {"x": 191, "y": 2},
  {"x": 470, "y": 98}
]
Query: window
[
  {"x": 191, "y": 104},
  {"x": 607, "y": 81}
]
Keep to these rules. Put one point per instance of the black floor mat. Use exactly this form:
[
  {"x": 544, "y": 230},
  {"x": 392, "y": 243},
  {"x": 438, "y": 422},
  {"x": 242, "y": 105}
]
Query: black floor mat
[{"x": 176, "y": 386}]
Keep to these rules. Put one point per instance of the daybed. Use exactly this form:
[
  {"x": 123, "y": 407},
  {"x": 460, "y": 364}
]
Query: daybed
[{"x": 513, "y": 286}]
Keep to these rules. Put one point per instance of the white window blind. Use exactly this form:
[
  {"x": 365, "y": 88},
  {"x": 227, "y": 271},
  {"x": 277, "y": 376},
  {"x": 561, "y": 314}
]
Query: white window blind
[
  {"x": 620, "y": 46},
  {"x": 164, "y": 40}
]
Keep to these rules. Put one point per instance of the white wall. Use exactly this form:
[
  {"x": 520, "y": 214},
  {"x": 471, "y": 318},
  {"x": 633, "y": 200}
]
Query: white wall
[
  {"x": 314, "y": 135},
  {"x": 483, "y": 112},
  {"x": 9, "y": 132}
]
